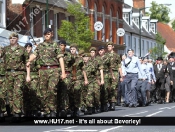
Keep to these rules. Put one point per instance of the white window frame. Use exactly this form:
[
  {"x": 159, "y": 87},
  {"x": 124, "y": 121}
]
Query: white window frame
[
  {"x": 95, "y": 20},
  {"x": 152, "y": 27},
  {"x": 43, "y": 20},
  {"x": 136, "y": 20},
  {"x": 55, "y": 27},
  {"x": 117, "y": 27},
  {"x": 126, "y": 16},
  {"x": 103, "y": 30}
]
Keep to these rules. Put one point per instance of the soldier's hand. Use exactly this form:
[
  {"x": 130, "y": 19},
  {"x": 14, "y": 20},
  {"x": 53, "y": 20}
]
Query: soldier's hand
[
  {"x": 102, "y": 82},
  {"x": 86, "y": 82},
  {"x": 74, "y": 78},
  {"x": 113, "y": 78},
  {"x": 63, "y": 76},
  {"x": 28, "y": 64},
  {"x": 121, "y": 79},
  {"x": 28, "y": 79}
]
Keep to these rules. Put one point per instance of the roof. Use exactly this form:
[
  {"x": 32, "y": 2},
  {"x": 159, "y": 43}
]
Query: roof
[
  {"x": 58, "y": 3},
  {"x": 167, "y": 33}
]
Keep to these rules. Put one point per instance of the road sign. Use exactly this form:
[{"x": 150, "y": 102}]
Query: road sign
[
  {"x": 98, "y": 26},
  {"x": 120, "y": 32}
]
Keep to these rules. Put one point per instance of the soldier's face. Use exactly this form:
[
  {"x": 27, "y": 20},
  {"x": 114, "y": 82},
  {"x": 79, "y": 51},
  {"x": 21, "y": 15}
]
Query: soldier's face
[
  {"x": 29, "y": 49},
  {"x": 13, "y": 40},
  {"x": 85, "y": 59},
  {"x": 159, "y": 61},
  {"x": 145, "y": 61},
  {"x": 73, "y": 50},
  {"x": 101, "y": 52},
  {"x": 62, "y": 47},
  {"x": 48, "y": 36},
  {"x": 110, "y": 47},
  {"x": 92, "y": 53},
  {"x": 171, "y": 60},
  {"x": 130, "y": 53}
]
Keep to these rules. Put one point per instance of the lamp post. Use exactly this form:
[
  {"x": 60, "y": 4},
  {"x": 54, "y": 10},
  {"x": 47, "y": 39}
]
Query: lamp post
[
  {"x": 47, "y": 16},
  {"x": 140, "y": 29}
]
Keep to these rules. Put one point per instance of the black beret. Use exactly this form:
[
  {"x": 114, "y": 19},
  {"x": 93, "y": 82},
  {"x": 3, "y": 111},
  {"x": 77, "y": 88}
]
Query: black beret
[
  {"x": 62, "y": 42},
  {"x": 47, "y": 30},
  {"x": 130, "y": 50},
  {"x": 140, "y": 57},
  {"x": 170, "y": 57},
  {"x": 28, "y": 44},
  {"x": 159, "y": 58},
  {"x": 101, "y": 47}
]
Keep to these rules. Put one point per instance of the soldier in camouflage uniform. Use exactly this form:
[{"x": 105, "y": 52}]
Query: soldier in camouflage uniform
[
  {"x": 105, "y": 60},
  {"x": 77, "y": 80},
  {"x": 49, "y": 57},
  {"x": 14, "y": 57},
  {"x": 65, "y": 91},
  {"x": 115, "y": 64},
  {"x": 2, "y": 88},
  {"x": 92, "y": 69},
  {"x": 32, "y": 88}
]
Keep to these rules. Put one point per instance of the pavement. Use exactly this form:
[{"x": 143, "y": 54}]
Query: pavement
[{"x": 154, "y": 110}]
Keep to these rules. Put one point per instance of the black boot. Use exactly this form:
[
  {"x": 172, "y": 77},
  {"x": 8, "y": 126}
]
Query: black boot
[
  {"x": 2, "y": 118},
  {"x": 63, "y": 113},
  {"x": 93, "y": 110},
  {"x": 16, "y": 118},
  {"x": 112, "y": 106},
  {"x": 89, "y": 111},
  {"x": 104, "y": 108},
  {"x": 98, "y": 109},
  {"x": 52, "y": 114},
  {"x": 76, "y": 112}
]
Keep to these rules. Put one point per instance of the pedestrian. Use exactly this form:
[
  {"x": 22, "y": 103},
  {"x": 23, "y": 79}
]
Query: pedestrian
[{"x": 50, "y": 59}]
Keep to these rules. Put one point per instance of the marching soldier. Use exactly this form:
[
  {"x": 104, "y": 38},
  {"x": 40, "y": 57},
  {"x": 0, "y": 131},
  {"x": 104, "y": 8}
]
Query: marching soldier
[
  {"x": 32, "y": 88},
  {"x": 115, "y": 64},
  {"x": 65, "y": 89},
  {"x": 50, "y": 58},
  {"x": 14, "y": 57}
]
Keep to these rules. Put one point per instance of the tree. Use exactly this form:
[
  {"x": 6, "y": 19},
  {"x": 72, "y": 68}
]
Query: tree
[
  {"x": 159, "y": 12},
  {"x": 173, "y": 25},
  {"x": 158, "y": 51},
  {"x": 78, "y": 32}
]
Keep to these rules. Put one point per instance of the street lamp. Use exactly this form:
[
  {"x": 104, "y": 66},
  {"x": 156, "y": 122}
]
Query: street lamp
[{"x": 140, "y": 29}]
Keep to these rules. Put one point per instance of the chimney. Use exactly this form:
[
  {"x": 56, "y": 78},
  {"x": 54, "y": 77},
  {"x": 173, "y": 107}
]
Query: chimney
[{"x": 139, "y": 4}]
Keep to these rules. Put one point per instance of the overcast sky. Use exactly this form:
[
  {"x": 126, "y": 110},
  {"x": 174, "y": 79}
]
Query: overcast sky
[{"x": 147, "y": 2}]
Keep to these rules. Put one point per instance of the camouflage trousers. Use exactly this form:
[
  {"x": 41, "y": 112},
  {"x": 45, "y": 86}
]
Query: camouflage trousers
[
  {"x": 112, "y": 97},
  {"x": 77, "y": 93},
  {"x": 32, "y": 96},
  {"x": 14, "y": 83},
  {"x": 105, "y": 88},
  {"x": 93, "y": 93},
  {"x": 64, "y": 91},
  {"x": 48, "y": 89},
  {"x": 2, "y": 94}
]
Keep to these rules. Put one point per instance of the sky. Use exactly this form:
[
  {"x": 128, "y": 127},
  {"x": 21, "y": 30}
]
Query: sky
[{"x": 148, "y": 4}]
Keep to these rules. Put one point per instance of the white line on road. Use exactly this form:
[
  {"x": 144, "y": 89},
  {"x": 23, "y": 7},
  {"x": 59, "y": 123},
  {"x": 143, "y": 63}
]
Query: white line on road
[
  {"x": 61, "y": 129},
  {"x": 76, "y": 130},
  {"x": 167, "y": 108},
  {"x": 136, "y": 113},
  {"x": 106, "y": 130},
  {"x": 154, "y": 113}
]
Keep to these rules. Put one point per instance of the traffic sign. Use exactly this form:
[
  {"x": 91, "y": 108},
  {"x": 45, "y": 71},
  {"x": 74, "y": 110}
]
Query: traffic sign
[
  {"x": 98, "y": 26},
  {"x": 120, "y": 32}
]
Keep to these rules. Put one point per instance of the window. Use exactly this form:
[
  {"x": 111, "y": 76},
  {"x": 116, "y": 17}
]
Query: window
[
  {"x": 110, "y": 25},
  {"x": 87, "y": 7},
  {"x": 117, "y": 28},
  {"x": 103, "y": 30},
  {"x": 152, "y": 27},
  {"x": 1, "y": 12},
  {"x": 126, "y": 16},
  {"x": 143, "y": 53},
  {"x": 134, "y": 46},
  {"x": 95, "y": 19},
  {"x": 151, "y": 45},
  {"x": 146, "y": 24},
  {"x": 129, "y": 42},
  {"x": 43, "y": 20},
  {"x": 31, "y": 23},
  {"x": 147, "y": 46},
  {"x": 136, "y": 20}
]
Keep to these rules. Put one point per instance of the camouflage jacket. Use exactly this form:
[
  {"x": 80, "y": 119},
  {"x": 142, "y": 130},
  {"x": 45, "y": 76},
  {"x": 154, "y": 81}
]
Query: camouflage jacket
[
  {"x": 47, "y": 54},
  {"x": 78, "y": 67},
  {"x": 33, "y": 65},
  {"x": 105, "y": 61},
  {"x": 92, "y": 68},
  {"x": 2, "y": 68},
  {"x": 115, "y": 61},
  {"x": 14, "y": 58}
]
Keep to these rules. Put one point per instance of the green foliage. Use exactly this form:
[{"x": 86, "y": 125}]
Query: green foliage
[
  {"x": 173, "y": 25},
  {"x": 78, "y": 32},
  {"x": 158, "y": 51},
  {"x": 160, "y": 12}
]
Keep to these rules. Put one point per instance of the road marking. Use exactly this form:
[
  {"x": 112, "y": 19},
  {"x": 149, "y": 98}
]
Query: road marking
[
  {"x": 61, "y": 129},
  {"x": 136, "y": 113},
  {"x": 154, "y": 113},
  {"x": 167, "y": 108},
  {"x": 106, "y": 130},
  {"x": 76, "y": 130}
]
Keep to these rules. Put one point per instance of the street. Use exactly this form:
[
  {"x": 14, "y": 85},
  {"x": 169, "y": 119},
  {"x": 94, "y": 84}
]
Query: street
[{"x": 155, "y": 110}]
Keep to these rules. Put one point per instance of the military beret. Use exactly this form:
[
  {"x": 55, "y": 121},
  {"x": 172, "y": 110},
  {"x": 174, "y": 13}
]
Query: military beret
[
  {"x": 62, "y": 42},
  {"x": 13, "y": 35},
  {"x": 110, "y": 43},
  {"x": 74, "y": 45},
  {"x": 101, "y": 47},
  {"x": 47, "y": 30},
  {"x": 86, "y": 55},
  {"x": 28, "y": 44},
  {"x": 170, "y": 57},
  {"x": 92, "y": 49},
  {"x": 140, "y": 57},
  {"x": 130, "y": 50},
  {"x": 81, "y": 52}
]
